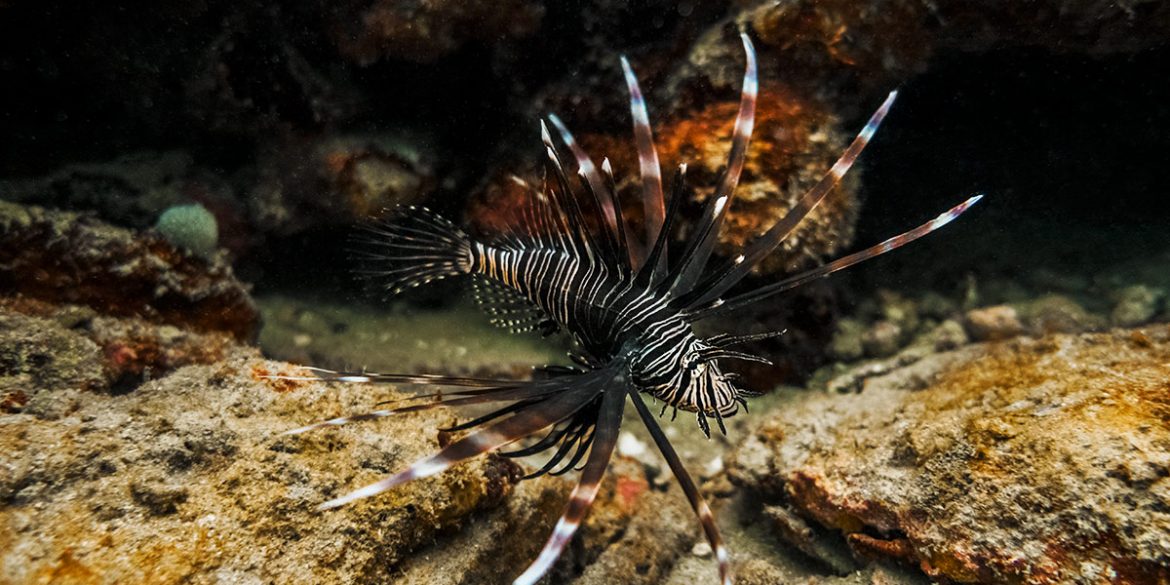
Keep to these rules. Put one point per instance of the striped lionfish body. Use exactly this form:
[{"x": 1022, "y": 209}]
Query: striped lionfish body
[{"x": 627, "y": 304}]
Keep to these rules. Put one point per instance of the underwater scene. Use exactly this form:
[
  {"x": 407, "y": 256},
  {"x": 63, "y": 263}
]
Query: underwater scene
[{"x": 469, "y": 292}]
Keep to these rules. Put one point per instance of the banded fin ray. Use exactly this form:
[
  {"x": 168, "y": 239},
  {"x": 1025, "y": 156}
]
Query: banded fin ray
[
  {"x": 567, "y": 395},
  {"x": 605, "y": 437},
  {"x": 766, "y": 243},
  {"x": 698, "y": 504},
  {"x": 707, "y": 230},
  {"x": 604, "y": 199},
  {"x": 653, "y": 205},
  {"x": 720, "y": 307}
]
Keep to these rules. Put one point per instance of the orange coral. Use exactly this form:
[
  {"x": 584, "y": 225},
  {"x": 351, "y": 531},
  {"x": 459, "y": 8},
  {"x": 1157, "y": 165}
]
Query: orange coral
[{"x": 793, "y": 145}]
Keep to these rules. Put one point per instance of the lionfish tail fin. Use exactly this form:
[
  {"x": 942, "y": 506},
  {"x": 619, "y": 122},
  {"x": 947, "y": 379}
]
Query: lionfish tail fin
[{"x": 414, "y": 247}]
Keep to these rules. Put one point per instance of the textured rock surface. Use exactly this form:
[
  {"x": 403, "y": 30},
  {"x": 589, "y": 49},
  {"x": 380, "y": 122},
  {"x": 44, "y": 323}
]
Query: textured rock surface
[
  {"x": 187, "y": 479},
  {"x": 63, "y": 257},
  {"x": 53, "y": 356},
  {"x": 1038, "y": 461}
]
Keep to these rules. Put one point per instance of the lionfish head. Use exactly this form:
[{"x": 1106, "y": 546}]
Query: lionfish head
[{"x": 711, "y": 391}]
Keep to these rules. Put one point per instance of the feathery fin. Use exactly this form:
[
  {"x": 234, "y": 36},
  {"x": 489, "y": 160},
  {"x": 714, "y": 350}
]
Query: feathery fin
[{"x": 415, "y": 247}]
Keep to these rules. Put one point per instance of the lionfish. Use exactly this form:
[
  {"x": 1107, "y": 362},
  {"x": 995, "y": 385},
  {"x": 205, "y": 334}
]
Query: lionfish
[{"x": 628, "y": 307}]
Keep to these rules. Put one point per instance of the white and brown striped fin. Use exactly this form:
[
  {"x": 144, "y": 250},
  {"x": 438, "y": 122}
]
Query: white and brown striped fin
[
  {"x": 766, "y": 243},
  {"x": 604, "y": 200},
  {"x": 605, "y": 434},
  {"x": 649, "y": 274},
  {"x": 724, "y": 306},
  {"x": 571, "y": 395},
  {"x": 653, "y": 205},
  {"x": 628, "y": 246},
  {"x": 706, "y": 232},
  {"x": 364, "y": 377},
  {"x": 698, "y": 504}
]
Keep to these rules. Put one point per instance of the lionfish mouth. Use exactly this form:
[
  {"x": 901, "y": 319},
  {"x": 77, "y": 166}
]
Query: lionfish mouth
[{"x": 578, "y": 267}]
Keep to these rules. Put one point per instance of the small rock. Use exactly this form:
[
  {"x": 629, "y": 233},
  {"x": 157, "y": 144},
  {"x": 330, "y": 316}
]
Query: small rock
[
  {"x": 1059, "y": 314},
  {"x": 159, "y": 499},
  {"x": 899, "y": 310},
  {"x": 701, "y": 549},
  {"x": 993, "y": 323},
  {"x": 846, "y": 343},
  {"x": 945, "y": 336},
  {"x": 937, "y": 306},
  {"x": 883, "y": 339},
  {"x": 1136, "y": 305}
]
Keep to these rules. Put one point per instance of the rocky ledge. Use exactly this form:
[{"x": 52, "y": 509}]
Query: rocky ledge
[{"x": 1030, "y": 461}]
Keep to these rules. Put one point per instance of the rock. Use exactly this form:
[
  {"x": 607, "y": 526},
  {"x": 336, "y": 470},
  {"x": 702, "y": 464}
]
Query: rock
[
  {"x": 993, "y": 323},
  {"x": 1136, "y": 305},
  {"x": 132, "y": 190},
  {"x": 936, "y": 306},
  {"x": 945, "y": 336},
  {"x": 341, "y": 179},
  {"x": 1058, "y": 314},
  {"x": 882, "y": 339},
  {"x": 67, "y": 258},
  {"x": 42, "y": 365},
  {"x": 1039, "y": 461},
  {"x": 846, "y": 344},
  {"x": 187, "y": 478}
]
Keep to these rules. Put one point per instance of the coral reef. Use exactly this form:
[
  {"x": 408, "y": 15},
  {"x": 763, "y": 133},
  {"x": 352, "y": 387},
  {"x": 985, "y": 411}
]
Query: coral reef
[
  {"x": 63, "y": 257},
  {"x": 1039, "y": 461}
]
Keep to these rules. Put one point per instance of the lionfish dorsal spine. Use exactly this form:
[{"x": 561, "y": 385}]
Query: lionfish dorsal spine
[
  {"x": 707, "y": 230},
  {"x": 762, "y": 246},
  {"x": 653, "y": 205}
]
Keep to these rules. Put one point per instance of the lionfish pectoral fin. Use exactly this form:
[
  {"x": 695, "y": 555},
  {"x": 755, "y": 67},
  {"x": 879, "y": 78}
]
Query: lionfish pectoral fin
[
  {"x": 605, "y": 435},
  {"x": 720, "y": 307},
  {"x": 552, "y": 401},
  {"x": 698, "y": 504}
]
